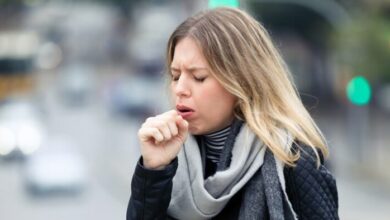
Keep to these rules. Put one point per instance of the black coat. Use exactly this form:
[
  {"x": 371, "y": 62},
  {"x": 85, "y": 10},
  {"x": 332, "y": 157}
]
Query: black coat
[{"x": 311, "y": 190}]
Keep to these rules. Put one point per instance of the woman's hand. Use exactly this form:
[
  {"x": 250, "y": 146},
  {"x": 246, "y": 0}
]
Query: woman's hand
[{"x": 161, "y": 138}]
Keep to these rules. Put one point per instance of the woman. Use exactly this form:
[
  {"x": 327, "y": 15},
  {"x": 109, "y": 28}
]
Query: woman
[{"x": 239, "y": 143}]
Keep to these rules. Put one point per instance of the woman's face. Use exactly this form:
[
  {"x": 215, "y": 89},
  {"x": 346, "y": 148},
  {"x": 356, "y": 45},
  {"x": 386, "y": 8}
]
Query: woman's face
[{"x": 199, "y": 97}]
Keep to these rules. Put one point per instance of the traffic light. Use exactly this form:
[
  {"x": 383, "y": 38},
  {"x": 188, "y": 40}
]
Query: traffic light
[
  {"x": 359, "y": 91},
  {"x": 218, "y": 3}
]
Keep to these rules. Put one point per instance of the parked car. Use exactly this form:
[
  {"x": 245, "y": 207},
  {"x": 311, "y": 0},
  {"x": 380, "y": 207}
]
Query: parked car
[
  {"x": 135, "y": 96},
  {"x": 57, "y": 167},
  {"x": 76, "y": 84},
  {"x": 21, "y": 127}
]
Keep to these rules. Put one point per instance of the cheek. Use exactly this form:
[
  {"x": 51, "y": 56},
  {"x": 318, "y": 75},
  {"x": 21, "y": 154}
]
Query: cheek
[
  {"x": 215, "y": 99},
  {"x": 206, "y": 98}
]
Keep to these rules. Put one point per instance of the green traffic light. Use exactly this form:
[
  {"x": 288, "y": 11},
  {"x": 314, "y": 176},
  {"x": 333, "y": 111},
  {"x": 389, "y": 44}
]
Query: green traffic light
[
  {"x": 359, "y": 91},
  {"x": 218, "y": 3}
]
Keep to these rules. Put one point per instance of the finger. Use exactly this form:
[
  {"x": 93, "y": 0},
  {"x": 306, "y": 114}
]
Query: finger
[
  {"x": 165, "y": 123},
  {"x": 145, "y": 134},
  {"x": 156, "y": 120},
  {"x": 161, "y": 123},
  {"x": 182, "y": 126},
  {"x": 173, "y": 128},
  {"x": 170, "y": 118},
  {"x": 164, "y": 129},
  {"x": 149, "y": 119}
]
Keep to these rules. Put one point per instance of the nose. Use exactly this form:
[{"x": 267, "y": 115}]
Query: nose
[{"x": 182, "y": 87}]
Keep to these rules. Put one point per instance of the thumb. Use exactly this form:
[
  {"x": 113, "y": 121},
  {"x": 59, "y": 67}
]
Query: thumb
[{"x": 182, "y": 127}]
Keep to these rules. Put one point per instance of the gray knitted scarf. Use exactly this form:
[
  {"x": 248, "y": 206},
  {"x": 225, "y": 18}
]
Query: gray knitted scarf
[{"x": 264, "y": 197}]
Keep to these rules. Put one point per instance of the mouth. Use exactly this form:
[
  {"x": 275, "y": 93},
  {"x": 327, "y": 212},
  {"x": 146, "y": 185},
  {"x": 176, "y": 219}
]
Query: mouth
[{"x": 184, "y": 111}]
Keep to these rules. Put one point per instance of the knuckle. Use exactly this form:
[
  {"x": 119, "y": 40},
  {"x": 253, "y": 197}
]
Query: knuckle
[
  {"x": 148, "y": 119},
  {"x": 162, "y": 124},
  {"x": 144, "y": 125},
  {"x": 158, "y": 125},
  {"x": 141, "y": 133},
  {"x": 156, "y": 131}
]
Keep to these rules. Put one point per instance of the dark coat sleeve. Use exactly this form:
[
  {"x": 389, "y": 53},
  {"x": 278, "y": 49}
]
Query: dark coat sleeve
[
  {"x": 150, "y": 192},
  {"x": 312, "y": 190}
]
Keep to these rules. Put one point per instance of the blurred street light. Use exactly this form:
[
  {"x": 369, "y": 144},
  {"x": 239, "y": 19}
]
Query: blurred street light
[
  {"x": 218, "y": 3},
  {"x": 359, "y": 91}
]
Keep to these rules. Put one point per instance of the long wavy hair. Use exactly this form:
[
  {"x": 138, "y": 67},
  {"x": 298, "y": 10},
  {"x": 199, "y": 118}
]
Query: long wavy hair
[{"x": 244, "y": 60}]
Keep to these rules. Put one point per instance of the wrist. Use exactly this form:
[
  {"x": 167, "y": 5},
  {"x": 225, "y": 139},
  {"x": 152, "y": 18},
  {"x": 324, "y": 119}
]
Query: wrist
[{"x": 151, "y": 165}]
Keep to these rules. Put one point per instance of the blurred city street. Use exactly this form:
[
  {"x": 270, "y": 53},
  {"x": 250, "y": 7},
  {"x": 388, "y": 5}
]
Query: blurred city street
[
  {"x": 109, "y": 146},
  {"x": 363, "y": 183},
  {"x": 109, "y": 151},
  {"x": 77, "y": 80}
]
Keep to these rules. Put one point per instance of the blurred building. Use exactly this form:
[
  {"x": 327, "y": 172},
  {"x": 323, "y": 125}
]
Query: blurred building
[{"x": 302, "y": 30}]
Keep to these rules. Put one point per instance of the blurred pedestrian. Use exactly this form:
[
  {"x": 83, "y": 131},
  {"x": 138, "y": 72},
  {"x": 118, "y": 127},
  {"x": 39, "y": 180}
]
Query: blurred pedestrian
[{"x": 239, "y": 143}]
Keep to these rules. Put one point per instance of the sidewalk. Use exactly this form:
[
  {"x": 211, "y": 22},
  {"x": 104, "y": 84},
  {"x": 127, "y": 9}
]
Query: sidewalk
[
  {"x": 360, "y": 163},
  {"x": 362, "y": 201}
]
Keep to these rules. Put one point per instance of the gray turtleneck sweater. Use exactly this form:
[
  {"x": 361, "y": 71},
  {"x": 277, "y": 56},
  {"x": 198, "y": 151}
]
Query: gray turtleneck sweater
[{"x": 214, "y": 144}]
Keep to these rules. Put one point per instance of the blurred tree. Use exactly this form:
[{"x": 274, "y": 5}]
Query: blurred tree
[
  {"x": 3, "y": 2},
  {"x": 123, "y": 5},
  {"x": 22, "y": 2},
  {"x": 363, "y": 46}
]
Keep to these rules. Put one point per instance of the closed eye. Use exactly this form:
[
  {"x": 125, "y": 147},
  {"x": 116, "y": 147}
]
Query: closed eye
[
  {"x": 175, "y": 75},
  {"x": 175, "y": 78},
  {"x": 200, "y": 79}
]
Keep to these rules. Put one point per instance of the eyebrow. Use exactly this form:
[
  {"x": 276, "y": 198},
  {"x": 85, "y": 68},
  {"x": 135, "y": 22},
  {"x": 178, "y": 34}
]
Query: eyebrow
[{"x": 191, "y": 69}]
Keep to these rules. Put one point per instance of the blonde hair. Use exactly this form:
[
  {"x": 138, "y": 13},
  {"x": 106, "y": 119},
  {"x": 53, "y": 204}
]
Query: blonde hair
[{"x": 244, "y": 60}]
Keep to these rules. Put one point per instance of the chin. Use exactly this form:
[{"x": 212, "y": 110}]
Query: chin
[{"x": 195, "y": 130}]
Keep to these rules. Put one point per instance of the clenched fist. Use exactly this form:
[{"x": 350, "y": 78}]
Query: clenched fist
[{"x": 161, "y": 138}]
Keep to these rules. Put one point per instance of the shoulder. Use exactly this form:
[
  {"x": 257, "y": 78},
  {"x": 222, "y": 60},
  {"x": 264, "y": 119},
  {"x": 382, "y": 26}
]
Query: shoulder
[
  {"x": 311, "y": 188},
  {"x": 306, "y": 168},
  {"x": 307, "y": 154}
]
